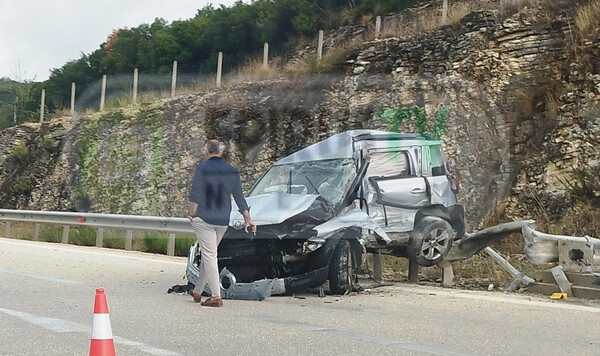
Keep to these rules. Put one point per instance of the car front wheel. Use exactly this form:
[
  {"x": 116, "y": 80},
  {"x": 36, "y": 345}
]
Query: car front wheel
[
  {"x": 431, "y": 241},
  {"x": 341, "y": 271}
]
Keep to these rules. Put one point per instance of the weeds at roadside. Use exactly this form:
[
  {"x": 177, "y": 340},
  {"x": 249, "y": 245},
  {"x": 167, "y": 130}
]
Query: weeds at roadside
[{"x": 587, "y": 19}]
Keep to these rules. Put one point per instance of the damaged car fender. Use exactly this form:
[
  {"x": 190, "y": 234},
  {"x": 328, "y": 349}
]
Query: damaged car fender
[{"x": 353, "y": 218}]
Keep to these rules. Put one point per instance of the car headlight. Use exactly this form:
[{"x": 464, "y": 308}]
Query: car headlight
[
  {"x": 238, "y": 224},
  {"x": 310, "y": 246}
]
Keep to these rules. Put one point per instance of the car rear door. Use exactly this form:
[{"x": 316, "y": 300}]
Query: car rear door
[{"x": 394, "y": 176}]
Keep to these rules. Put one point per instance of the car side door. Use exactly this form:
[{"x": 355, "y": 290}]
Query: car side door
[{"x": 395, "y": 177}]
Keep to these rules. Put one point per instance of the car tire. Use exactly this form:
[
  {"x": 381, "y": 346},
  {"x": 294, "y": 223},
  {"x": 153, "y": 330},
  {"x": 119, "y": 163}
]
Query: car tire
[
  {"x": 431, "y": 241},
  {"x": 341, "y": 270}
]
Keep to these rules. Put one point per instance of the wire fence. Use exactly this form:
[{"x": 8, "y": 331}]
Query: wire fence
[{"x": 123, "y": 89}]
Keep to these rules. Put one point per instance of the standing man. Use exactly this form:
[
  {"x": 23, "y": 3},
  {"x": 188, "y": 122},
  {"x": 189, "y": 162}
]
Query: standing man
[{"x": 210, "y": 207}]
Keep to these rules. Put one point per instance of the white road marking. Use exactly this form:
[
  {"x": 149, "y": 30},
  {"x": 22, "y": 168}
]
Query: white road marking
[
  {"x": 510, "y": 299},
  {"x": 79, "y": 249},
  {"x": 379, "y": 340},
  {"x": 36, "y": 276},
  {"x": 64, "y": 326}
]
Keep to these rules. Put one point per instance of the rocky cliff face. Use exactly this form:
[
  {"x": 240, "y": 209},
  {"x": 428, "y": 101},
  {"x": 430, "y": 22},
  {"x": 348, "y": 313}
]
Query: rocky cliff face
[{"x": 523, "y": 113}]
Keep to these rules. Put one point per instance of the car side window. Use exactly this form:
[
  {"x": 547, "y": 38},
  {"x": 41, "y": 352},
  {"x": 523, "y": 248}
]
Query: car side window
[
  {"x": 389, "y": 164},
  {"x": 438, "y": 167}
]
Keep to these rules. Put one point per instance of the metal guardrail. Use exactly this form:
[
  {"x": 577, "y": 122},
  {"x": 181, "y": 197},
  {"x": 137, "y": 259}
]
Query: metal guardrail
[{"x": 129, "y": 223}]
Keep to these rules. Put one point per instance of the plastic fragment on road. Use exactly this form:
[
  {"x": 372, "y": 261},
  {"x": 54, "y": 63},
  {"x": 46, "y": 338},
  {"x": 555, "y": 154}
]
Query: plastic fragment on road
[
  {"x": 257, "y": 290},
  {"x": 558, "y": 296}
]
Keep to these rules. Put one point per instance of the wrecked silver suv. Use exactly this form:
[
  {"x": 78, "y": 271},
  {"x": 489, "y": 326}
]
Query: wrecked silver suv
[{"x": 322, "y": 208}]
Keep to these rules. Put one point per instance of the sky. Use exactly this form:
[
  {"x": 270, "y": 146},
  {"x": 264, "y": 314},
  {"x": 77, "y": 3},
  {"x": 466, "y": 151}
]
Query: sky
[{"x": 39, "y": 35}]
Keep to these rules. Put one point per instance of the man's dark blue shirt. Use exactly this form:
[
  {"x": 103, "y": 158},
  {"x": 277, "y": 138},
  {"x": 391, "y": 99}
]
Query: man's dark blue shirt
[{"x": 215, "y": 181}]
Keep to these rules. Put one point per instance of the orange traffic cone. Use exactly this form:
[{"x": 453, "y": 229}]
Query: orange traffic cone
[{"x": 102, "y": 343}]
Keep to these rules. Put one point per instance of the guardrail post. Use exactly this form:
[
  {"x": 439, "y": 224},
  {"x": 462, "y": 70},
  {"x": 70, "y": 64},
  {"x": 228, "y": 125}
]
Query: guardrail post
[
  {"x": 447, "y": 273},
  {"x": 171, "y": 245},
  {"x": 6, "y": 229},
  {"x": 378, "y": 27},
  {"x": 128, "y": 240},
  {"x": 65, "y": 234},
  {"x": 413, "y": 270},
  {"x": 99, "y": 237},
  {"x": 36, "y": 232},
  {"x": 377, "y": 266}
]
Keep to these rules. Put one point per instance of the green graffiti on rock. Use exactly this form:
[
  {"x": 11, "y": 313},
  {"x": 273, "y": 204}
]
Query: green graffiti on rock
[
  {"x": 121, "y": 160},
  {"x": 395, "y": 117}
]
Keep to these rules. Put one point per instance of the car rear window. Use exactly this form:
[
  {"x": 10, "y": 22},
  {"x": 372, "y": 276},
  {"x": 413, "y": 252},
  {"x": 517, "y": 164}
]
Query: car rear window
[{"x": 389, "y": 164}]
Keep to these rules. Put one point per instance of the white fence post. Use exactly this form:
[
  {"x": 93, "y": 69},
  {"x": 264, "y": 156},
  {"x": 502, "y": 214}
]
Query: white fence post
[
  {"x": 219, "y": 69},
  {"x": 445, "y": 12},
  {"x": 174, "y": 79},
  {"x": 320, "y": 46},
  {"x": 266, "y": 55},
  {"x": 73, "y": 99},
  {"x": 135, "y": 84},
  {"x": 42, "y": 105},
  {"x": 378, "y": 27},
  {"x": 103, "y": 93},
  {"x": 171, "y": 245}
]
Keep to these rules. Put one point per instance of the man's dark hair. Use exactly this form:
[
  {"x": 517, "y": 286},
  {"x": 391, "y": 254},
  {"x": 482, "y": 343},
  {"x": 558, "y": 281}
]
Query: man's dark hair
[{"x": 214, "y": 147}]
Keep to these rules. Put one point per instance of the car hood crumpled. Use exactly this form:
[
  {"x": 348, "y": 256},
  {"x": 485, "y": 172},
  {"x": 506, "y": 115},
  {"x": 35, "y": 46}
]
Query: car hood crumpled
[{"x": 272, "y": 208}]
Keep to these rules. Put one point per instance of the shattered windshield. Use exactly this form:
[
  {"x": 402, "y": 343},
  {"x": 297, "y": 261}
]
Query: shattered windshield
[{"x": 330, "y": 179}]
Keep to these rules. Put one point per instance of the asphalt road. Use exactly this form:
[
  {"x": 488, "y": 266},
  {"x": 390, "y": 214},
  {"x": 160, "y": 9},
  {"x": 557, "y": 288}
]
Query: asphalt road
[{"x": 47, "y": 293}]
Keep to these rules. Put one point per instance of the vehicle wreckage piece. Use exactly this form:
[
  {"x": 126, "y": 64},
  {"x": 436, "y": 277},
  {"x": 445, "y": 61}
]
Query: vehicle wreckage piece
[
  {"x": 257, "y": 290},
  {"x": 231, "y": 289},
  {"x": 574, "y": 254}
]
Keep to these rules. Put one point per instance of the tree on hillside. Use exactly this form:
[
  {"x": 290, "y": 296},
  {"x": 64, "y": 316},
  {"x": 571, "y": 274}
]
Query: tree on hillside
[{"x": 236, "y": 31}]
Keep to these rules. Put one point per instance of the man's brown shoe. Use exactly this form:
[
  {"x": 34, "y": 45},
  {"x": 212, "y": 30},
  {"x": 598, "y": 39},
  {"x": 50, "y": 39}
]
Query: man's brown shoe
[
  {"x": 197, "y": 296},
  {"x": 213, "y": 302}
]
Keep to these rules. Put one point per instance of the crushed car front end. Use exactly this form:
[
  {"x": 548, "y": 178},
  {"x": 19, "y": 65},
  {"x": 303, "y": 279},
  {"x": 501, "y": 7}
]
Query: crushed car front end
[{"x": 301, "y": 216}]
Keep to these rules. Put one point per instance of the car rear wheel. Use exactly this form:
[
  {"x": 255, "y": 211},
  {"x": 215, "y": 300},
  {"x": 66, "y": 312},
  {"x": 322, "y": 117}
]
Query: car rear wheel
[
  {"x": 431, "y": 241},
  {"x": 341, "y": 271}
]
